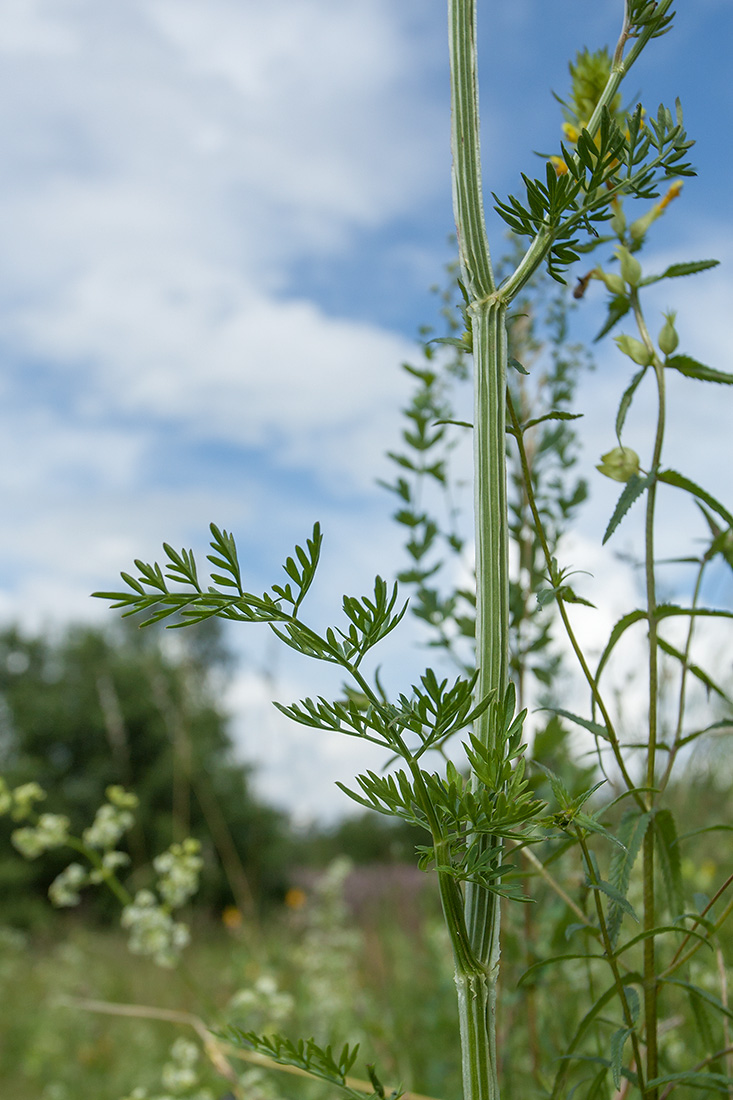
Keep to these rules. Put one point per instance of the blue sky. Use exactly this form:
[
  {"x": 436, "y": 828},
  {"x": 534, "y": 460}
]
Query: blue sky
[{"x": 219, "y": 221}]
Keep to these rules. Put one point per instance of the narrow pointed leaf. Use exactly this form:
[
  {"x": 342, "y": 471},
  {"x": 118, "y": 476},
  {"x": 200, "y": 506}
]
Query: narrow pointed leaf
[
  {"x": 690, "y": 367},
  {"x": 672, "y": 477},
  {"x": 632, "y": 490}
]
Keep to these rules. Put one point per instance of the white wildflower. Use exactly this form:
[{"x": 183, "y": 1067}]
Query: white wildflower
[
  {"x": 179, "y": 868},
  {"x": 23, "y": 798},
  {"x": 27, "y": 842},
  {"x": 153, "y": 931},
  {"x": 64, "y": 890},
  {"x": 108, "y": 826},
  {"x": 110, "y": 862},
  {"x": 122, "y": 799}
]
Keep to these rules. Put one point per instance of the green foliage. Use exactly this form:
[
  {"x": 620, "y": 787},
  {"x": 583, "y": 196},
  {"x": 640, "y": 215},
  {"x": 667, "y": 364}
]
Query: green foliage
[
  {"x": 588, "y": 866},
  {"x": 94, "y": 708}
]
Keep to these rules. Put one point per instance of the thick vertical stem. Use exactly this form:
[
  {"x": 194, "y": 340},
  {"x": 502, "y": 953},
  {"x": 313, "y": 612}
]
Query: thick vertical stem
[
  {"x": 468, "y": 206},
  {"x": 492, "y": 575},
  {"x": 477, "y": 992},
  {"x": 490, "y": 505},
  {"x": 477, "y": 986}
]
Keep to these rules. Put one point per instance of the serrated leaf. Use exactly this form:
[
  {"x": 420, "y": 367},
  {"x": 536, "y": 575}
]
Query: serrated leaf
[
  {"x": 672, "y": 477},
  {"x": 632, "y": 490},
  {"x": 616, "y": 897},
  {"x": 593, "y": 727},
  {"x": 703, "y": 994},
  {"x": 556, "y": 414},
  {"x": 670, "y": 860},
  {"x": 618, "y": 1041},
  {"x": 618, "y": 307},
  {"x": 556, "y": 959},
  {"x": 711, "y": 1082},
  {"x": 581, "y": 1030},
  {"x": 663, "y": 611},
  {"x": 675, "y": 271},
  {"x": 631, "y": 832},
  {"x": 626, "y": 399},
  {"x": 696, "y": 671},
  {"x": 661, "y": 929},
  {"x": 690, "y": 367}
]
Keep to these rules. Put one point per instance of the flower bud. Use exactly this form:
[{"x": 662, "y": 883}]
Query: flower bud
[
  {"x": 636, "y": 351},
  {"x": 620, "y": 464},
  {"x": 610, "y": 280},
  {"x": 668, "y": 338},
  {"x": 630, "y": 266},
  {"x": 618, "y": 221}
]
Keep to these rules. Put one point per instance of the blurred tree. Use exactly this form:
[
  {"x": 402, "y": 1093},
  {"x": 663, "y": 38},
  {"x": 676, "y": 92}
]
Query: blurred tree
[{"x": 92, "y": 707}]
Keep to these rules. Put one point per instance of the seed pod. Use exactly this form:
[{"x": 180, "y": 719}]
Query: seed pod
[
  {"x": 611, "y": 281},
  {"x": 620, "y": 464},
  {"x": 630, "y": 266},
  {"x": 668, "y": 338},
  {"x": 636, "y": 351}
]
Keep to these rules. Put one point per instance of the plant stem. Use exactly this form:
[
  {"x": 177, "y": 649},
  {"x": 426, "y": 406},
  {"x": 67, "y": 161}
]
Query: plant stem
[
  {"x": 592, "y": 683},
  {"x": 477, "y": 989},
  {"x": 612, "y": 960},
  {"x": 650, "y": 967},
  {"x": 674, "y": 749}
]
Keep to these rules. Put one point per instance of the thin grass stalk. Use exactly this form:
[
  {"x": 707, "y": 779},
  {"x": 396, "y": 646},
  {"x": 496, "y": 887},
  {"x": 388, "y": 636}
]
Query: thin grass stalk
[{"x": 648, "y": 850}]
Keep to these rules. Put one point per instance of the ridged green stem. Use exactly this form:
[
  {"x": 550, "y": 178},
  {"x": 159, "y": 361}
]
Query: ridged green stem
[{"x": 476, "y": 984}]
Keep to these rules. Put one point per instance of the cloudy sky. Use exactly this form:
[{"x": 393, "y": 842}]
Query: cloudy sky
[{"x": 219, "y": 221}]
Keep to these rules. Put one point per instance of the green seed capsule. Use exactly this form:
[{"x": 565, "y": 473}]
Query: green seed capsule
[
  {"x": 636, "y": 351},
  {"x": 620, "y": 464},
  {"x": 668, "y": 338},
  {"x": 630, "y": 266}
]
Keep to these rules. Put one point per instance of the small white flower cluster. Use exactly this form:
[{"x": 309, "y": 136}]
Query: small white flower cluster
[
  {"x": 263, "y": 1005},
  {"x": 179, "y": 1076},
  {"x": 328, "y": 951},
  {"x": 50, "y": 831},
  {"x": 64, "y": 890},
  {"x": 19, "y": 803},
  {"x": 153, "y": 931},
  {"x": 179, "y": 869},
  {"x": 113, "y": 819}
]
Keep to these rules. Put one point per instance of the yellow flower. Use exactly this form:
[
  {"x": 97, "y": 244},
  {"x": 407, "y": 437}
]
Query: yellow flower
[
  {"x": 559, "y": 165},
  {"x": 296, "y": 898},
  {"x": 231, "y": 917},
  {"x": 672, "y": 193}
]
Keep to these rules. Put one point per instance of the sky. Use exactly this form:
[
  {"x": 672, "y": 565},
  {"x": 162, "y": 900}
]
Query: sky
[{"x": 219, "y": 224}]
